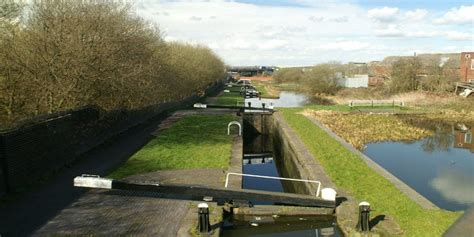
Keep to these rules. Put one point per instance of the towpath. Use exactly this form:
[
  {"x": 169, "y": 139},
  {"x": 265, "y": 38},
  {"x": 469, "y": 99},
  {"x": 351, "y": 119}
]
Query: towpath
[{"x": 56, "y": 205}]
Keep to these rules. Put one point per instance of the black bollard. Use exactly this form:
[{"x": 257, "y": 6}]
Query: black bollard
[
  {"x": 263, "y": 105},
  {"x": 250, "y": 104},
  {"x": 364, "y": 216},
  {"x": 203, "y": 218}
]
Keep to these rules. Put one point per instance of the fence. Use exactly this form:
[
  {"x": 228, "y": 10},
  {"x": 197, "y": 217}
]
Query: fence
[
  {"x": 41, "y": 146},
  {"x": 376, "y": 103}
]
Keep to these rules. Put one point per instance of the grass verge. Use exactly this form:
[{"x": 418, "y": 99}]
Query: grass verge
[
  {"x": 349, "y": 172},
  {"x": 197, "y": 141},
  {"x": 230, "y": 98},
  {"x": 266, "y": 89}
]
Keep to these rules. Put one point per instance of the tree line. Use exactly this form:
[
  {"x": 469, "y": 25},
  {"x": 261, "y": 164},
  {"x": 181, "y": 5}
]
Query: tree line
[
  {"x": 58, "y": 54},
  {"x": 406, "y": 74},
  {"x": 319, "y": 79}
]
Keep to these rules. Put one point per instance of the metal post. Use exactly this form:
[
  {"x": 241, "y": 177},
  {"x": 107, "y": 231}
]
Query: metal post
[
  {"x": 364, "y": 216},
  {"x": 263, "y": 105},
  {"x": 250, "y": 104},
  {"x": 203, "y": 218}
]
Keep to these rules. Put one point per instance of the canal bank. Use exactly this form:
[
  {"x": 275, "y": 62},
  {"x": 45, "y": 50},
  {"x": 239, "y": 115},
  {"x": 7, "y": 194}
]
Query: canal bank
[
  {"x": 351, "y": 173},
  {"x": 294, "y": 160}
]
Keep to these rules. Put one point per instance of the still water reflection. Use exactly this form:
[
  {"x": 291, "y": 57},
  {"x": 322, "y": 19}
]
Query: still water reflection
[
  {"x": 441, "y": 167},
  {"x": 287, "y": 99},
  {"x": 281, "y": 227}
]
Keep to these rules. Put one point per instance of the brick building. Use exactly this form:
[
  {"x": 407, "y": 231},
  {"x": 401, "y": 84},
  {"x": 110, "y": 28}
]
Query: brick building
[
  {"x": 464, "y": 139},
  {"x": 467, "y": 66}
]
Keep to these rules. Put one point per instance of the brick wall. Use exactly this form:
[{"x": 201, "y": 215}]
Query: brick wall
[
  {"x": 467, "y": 66},
  {"x": 41, "y": 146}
]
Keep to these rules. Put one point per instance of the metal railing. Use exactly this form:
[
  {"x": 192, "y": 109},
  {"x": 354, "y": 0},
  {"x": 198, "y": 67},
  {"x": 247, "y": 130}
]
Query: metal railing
[{"x": 272, "y": 177}]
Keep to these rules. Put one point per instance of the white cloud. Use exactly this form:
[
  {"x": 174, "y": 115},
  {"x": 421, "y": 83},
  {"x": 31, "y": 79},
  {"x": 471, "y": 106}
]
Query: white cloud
[
  {"x": 384, "y": 14},
  {"x": 461, "y": 15},
  {"x": 392, "y": 30},
  {"x": 340, "y": 19},
  {"x": 249, "y": 34},
  {"x": 344, "y": 45},
  {"x": 316, "y": 18},
  {"x": 416, "y": 15},
  {"x": 456, "y": 35},
  {"x": 273, "y": 44},
  {"x": 195, "y": 18},
  {"x": 422, "y": 34}
]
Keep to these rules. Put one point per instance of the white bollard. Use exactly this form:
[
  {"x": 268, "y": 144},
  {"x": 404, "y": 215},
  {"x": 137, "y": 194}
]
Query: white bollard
[{"x": 328, "y": 194}]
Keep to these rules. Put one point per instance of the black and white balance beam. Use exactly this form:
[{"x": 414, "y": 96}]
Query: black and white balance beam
[
  {"x": 252, "y": 109},
  {"x": 227, "y": 194}
]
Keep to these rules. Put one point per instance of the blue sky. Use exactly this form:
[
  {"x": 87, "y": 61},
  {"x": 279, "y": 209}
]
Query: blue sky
[
  {"x": 305, "y": 32},
  {"x": 402, "y": 4}
]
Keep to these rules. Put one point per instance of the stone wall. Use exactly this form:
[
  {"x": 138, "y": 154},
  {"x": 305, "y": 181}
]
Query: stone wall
[
  {"x": 292, "y": 157},
  {"x": 288, "y": 159},
  {"x": 37, "y": 148}
]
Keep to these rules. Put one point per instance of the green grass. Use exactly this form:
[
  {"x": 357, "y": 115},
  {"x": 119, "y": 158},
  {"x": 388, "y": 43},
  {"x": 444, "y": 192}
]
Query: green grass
[
  {"x": 197, "y": 141},
  {"x": 287, "y": 86},
  {"x": 350, "y": 173},
  {"x": 229, "y": 99},
  {"x": 262, "y": 88},
  {"x": 259, "y": 86}
]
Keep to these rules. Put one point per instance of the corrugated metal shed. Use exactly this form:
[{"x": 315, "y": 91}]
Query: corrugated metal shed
[{"x": 355, "y": 81}]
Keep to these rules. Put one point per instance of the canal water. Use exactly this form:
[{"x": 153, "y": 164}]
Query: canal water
[
  {"x": 441, "y": 167},
  {"x": 259, "y": 159},
  {"x": 287, "y": 99}
]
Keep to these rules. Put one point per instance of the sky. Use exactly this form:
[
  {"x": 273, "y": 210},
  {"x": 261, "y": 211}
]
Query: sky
[{"x": 304, "y": 32}]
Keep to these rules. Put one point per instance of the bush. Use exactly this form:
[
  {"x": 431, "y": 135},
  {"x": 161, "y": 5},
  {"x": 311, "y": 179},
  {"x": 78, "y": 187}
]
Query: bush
[
  {"x": 404, "y": 75},
  {"x": 441, "y": 78},
  {"x": 321, "y": 79},
  {"x": 288, "y": 75}
]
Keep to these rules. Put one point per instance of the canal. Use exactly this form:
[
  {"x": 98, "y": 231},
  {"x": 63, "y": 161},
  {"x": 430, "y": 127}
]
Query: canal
[
  {"x": 260, "y": 158},
  {"x": 440, "y": 167},
  {"x": 287, "y": 99}
]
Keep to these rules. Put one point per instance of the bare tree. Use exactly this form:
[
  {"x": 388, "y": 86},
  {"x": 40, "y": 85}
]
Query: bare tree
[{"x": 65, "y": 54}]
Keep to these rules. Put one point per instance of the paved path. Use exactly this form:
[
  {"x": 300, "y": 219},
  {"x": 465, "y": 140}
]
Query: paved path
[
  {"x": 51, "y": 208},
  {"x": 464, "y": 226},
  {"x": 118, "y": 213},
  {"x": 23, "y": 216}
]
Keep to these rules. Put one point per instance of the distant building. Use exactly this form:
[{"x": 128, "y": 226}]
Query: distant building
[
  {"x": 249, "y": 71},
  {"x": 376, "y": 81},
  {"x": 357, "y": 68},
  {"x": 356, "y": 81},
  {"x": 467, "y": 66}
]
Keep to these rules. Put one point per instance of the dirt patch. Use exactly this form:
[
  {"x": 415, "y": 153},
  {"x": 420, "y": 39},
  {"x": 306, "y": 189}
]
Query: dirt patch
[{"x": 257, "y": 78}]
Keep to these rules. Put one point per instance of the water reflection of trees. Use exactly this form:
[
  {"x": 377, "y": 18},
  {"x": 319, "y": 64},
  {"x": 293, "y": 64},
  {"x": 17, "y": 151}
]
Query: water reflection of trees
[{"x": 442, "y": 140}]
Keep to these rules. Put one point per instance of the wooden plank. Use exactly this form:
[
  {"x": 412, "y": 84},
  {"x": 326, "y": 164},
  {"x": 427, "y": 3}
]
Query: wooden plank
[{"x": 227, "y": 194}]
